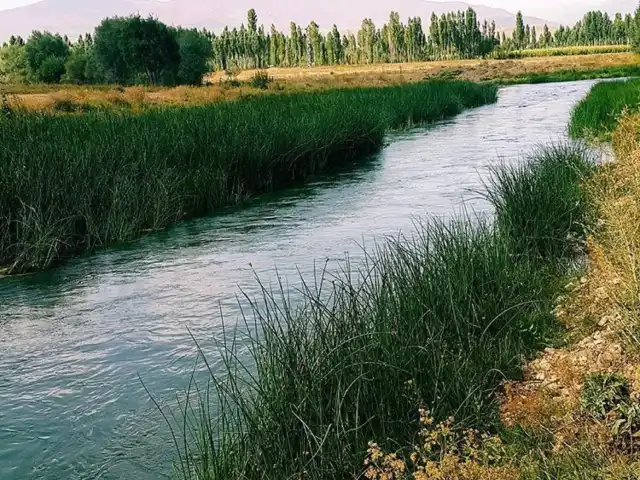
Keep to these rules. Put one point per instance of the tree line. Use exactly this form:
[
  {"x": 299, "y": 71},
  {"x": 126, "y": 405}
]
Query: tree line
[
  {"x": 129, "y": 50},
  {"x": 133, "y": 49},
  {"x": 455, "y": 35}
]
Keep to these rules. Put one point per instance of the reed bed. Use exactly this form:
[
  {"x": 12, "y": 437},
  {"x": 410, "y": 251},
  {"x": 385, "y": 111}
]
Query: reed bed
[
  {"x": 436, "y": 320},
  {"x": 597, "y": 116},
  {"x": 76, "y": 182}
]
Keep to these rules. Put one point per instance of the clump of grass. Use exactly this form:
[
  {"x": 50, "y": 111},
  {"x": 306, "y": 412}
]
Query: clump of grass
[
  {"x": 540, "y": 203},
  {"x": 77, "y": 182},
  {"x": 435, "y": 320},
  {"x": 598, "y": 114},
  {"x": 261, "y": 80}
]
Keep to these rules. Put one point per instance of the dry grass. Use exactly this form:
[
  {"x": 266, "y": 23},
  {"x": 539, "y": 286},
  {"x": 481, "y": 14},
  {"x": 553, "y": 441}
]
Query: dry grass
[
  {"x": 602, "y": 310},
  {"x": 474, "y": 70},
  {"x": 221, "y": 87}
]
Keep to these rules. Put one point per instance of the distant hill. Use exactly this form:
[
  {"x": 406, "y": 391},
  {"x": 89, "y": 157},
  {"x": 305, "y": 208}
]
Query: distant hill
[{"x": 73, "y": 17}]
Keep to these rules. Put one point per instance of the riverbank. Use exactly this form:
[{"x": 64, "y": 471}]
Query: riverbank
[
  {"x": 277, "y": 81},
  {"x": 404, "y": 349},
  {"x": 76, "y": 183},
  {"x": 427, "y": 329},
  {"x": 597, "y": 115},
  {"x": 575, "y": 415}
]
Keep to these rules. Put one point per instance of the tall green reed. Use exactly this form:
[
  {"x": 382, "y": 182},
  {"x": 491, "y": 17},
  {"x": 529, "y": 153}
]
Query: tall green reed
[
  {"x": 596, "y": 116},
  {"x": 71, "y": 183},
  {"x": 434, "y": 320}
]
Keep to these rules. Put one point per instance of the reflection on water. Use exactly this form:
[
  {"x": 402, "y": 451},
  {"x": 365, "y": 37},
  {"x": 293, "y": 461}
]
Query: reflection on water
[{"x": 74, "y": 340}]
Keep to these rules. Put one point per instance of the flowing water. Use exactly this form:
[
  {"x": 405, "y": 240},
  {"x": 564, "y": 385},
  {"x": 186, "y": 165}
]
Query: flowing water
[{"x": 74, "y": 342}]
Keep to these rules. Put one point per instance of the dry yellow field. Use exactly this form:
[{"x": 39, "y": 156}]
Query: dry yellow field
[
  {"x": 474, "y": 70},
  {"x": 222, "y": 87}
]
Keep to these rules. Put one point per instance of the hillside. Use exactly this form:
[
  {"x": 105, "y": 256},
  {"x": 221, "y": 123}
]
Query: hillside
[{"x": 73, "y": 17}]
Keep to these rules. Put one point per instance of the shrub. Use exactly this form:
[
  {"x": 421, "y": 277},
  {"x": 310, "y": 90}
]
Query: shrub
[{"x": 260, "y": 80}]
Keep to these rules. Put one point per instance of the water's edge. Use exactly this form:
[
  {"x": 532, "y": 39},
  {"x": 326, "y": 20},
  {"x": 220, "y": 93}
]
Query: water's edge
[{"x": 75, "y": 339}]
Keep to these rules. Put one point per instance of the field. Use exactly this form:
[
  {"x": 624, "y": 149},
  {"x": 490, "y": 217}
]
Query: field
[
  {"x": 562, "y": 51},
  {"x": 223, "y": 87},
  {"x": 73, "y": 183}
]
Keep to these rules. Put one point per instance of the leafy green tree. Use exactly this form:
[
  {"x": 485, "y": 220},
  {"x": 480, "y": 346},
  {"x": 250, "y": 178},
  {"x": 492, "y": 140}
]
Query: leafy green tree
[
  {"x": 315, "y": 44},
  {"x": 195, "y": 52},
  {"x": 252, "y": 20},
  {"x": 635, "y": 31},
  {"x": 13, "y": 63},
  {"x": 45, "y": 56},
  {"x": 132, "y": 49},
  {"x": 76, "y": 66},
  {"x": 51, "y": 70},
  {"x": 108, "y": 40},
  {"x": 519, "y": 33}
]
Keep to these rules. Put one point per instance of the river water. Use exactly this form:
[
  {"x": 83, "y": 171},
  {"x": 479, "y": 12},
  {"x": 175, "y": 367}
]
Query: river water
[{"x": 74, "y": 341}]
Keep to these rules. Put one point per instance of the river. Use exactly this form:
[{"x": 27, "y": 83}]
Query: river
[{"x": 73, "y": 341}]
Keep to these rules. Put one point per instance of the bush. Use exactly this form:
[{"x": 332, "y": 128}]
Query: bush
[
  {"x": 51, "y": 70},
  {"x": 603, "y": 393},
  {"x": 260, "y": 80}
]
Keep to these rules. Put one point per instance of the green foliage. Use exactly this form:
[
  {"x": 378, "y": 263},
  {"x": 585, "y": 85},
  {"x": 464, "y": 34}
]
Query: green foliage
[
  {"x": 596, "y": 116},
  {"x": 606, "y": 397},
  {"x": 260, "y": 79},
  {"x": 51, "y": 70},
  {"x": 603, "y": 393},
  {"x": 45, "y": 56},
  {"x": 635, "y": 31},
  {"x": 195, "y": 52},
  {"x": 13, "y": 64},
  {"x": 143, "y": 50},
  {"x": 437, "y": 319},
  {"x": 453, "y": 35},
  {"x": 132, "y": 48},
  {"x": 76, "y": 67},
  {"x": 77, "y": 182},
  {"x": 551, "y": 181}
]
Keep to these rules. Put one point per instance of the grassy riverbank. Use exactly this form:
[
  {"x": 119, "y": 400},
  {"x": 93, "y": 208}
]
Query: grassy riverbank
[
  {"x": 572, "y": 75},
  {"x": 598, "y": 114},
  {"x": 73, "y": 183},
  {"x": 434, "y": 322},
  {"x": 413, "y": 351}
]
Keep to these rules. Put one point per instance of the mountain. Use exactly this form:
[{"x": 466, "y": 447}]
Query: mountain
[{"x": 73, "y": 17}]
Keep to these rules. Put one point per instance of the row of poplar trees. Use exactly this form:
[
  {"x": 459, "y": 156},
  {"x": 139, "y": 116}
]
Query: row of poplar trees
[{"x": 452, "y": 35}]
